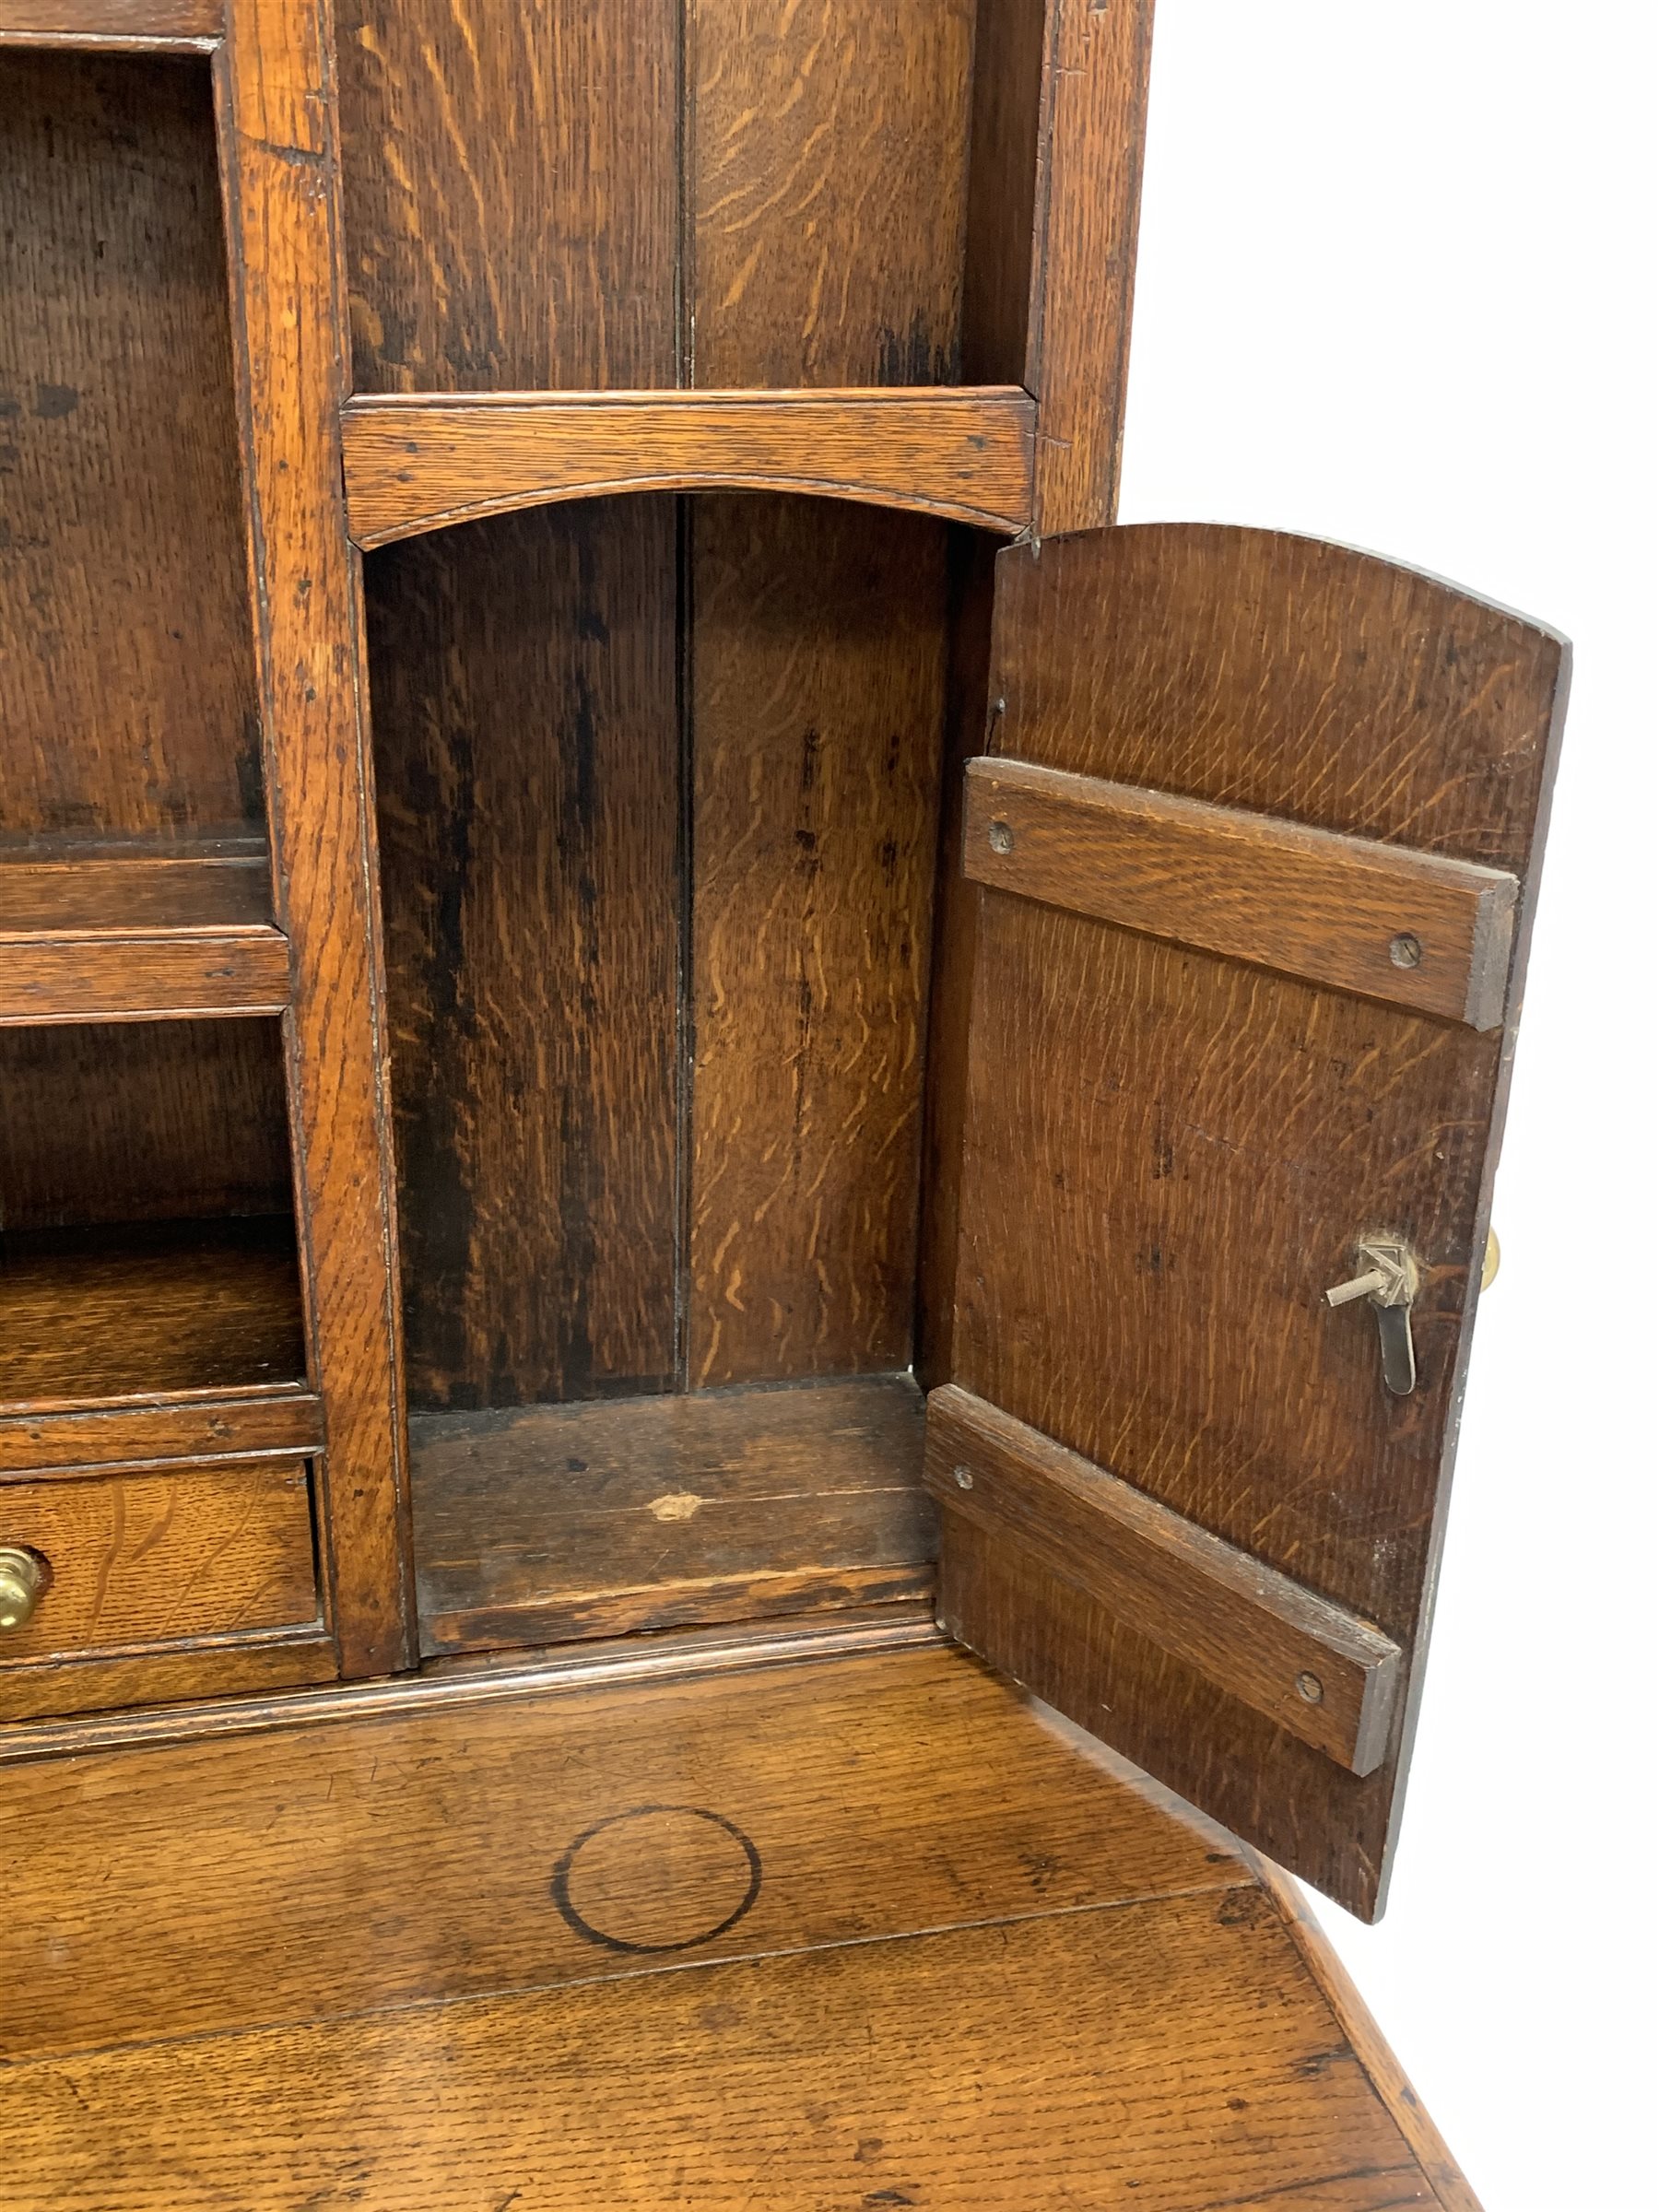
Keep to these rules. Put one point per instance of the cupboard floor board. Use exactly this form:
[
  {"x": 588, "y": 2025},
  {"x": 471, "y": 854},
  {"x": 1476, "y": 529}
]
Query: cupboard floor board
[
  {"x": 552, "y": 1522},
  {"x": 92, "y": 1316},
  {"x": 856, "y": 1932}
]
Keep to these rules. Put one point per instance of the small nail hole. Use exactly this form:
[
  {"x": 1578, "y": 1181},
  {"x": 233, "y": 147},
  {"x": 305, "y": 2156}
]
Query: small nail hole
[
  {"x": 1406, "y": 951},
  {"x": 964, "y": 1478},
  {"x": 1002, "y": 838},
  {"x": 1309, "y": 1689}
]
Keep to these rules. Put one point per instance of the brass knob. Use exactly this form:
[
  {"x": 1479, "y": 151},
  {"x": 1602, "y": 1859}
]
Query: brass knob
[
  {"x": 1491, "y": 1261},
  {"x": 22, "y": 1580}
]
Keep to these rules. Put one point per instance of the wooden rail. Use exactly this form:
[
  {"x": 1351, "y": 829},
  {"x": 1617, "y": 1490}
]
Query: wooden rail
[
  {"x": 115, "y": 26},
  {"x": 1319, "y": 1671},
  {"x": 1420, "y": 931},
  {"x": 420, "y": 463},
  {"x": 126, "y": 933}
]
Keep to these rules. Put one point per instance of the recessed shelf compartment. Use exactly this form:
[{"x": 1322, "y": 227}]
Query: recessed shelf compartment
[
  {"x": 130, "y": 705},
  {"x": 162, "y": 1309},
  {"x": 136, "y": 928},
  {"x": 558, "y": 1522},
  {"x": 147, "y": 1242},
  {"x": 415, "y": 464}
]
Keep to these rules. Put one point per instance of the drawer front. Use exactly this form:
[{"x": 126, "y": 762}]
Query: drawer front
[{"x": 140, "y": 1564}]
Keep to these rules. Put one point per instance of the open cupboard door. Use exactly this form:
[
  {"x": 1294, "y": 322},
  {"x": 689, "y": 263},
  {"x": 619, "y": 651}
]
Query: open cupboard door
[{"x": 1256, "y": 839}]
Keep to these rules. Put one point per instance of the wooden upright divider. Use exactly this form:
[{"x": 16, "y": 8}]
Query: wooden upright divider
[{"x": 274, "y": 84}]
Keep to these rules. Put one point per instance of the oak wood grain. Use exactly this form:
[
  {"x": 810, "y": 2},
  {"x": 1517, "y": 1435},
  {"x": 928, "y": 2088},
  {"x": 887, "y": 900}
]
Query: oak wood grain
[
  {"x": 1204, "y": 1142},
  {"x": 145, "y": 976},
  {"x": 1413, "y": 928},
  {"x": 816, "y": 689},
  {"x": 198, "y": 1430},
  {"x": 527, "y": 742},
  {"x": 135, "y": 1314},
  {"x": 114, "y": 1122},
  {"x": 826, "y": 191},
  {"x": 1180, "y": 2044},
  {"x": 417, "y": 465},
  {"x": 595, "y": 1520},
  {"x": 123, "y": 25},
  {"x": 510, "y": 194},
  {"x": 1010, "y": 49},
  {"x": 124, "y": 645},
  {"x": 1388, "y": 2077},
  {"x": 138, "y": 1560},
  {"x": 1315, "y": 1670},
  {"x": 274, "y": 93},
  {"x": 71, "y": 885},
  {"x": 260, "y": 1663},
  {"x": 1092, "y": 139},
  {"x": 886, "y": 1795},
  {"x": 466, "y": 1680}
]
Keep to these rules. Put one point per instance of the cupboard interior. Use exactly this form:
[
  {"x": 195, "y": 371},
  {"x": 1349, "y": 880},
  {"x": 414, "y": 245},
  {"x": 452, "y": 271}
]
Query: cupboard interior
[
  {"x": 146, "y": 1227},
  {"x": 687, "y": 193},
  {"x": 147, "y": 1234},
  {"x": 659, "y": 785},
  {"x": 130, "y": 716}
]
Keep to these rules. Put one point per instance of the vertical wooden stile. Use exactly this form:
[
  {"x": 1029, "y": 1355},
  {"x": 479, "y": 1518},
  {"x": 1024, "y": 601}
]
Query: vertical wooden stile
[
  {"x": 1087, "y": 211},
  {"x": 277, "y": 139}
]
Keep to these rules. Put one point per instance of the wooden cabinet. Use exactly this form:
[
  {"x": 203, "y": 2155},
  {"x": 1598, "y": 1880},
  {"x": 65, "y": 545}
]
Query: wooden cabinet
[{"x": 648, "y": 981}]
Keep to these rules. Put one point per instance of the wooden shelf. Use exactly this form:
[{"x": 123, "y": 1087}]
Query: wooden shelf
[
  {"x": 91, "y": 1318},
  {"x": 136, "y": 929},
  {"x": 420, "y": 461},
  {"x": 115, "y": 26},
  {"x": 555, "y": 1521}
]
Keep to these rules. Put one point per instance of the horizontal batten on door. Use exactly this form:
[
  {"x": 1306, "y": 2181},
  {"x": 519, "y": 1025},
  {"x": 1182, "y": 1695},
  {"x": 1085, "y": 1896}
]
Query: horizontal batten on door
[
  {"x": 1320, "y": 1672},
  {"x": 418, "y": 463},
  {"x": 1427, "y": 932}
]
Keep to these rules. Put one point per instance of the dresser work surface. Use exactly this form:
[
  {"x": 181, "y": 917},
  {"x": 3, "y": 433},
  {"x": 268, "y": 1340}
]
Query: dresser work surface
[{"x": 853, "y": 1930}]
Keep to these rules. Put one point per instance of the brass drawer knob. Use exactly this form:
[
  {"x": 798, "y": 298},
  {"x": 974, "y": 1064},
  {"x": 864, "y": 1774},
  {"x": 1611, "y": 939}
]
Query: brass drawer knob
[{"x": 22, "y": 1581}]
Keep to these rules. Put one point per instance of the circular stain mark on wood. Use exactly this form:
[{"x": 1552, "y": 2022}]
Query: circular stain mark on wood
[{"x": 661, "y": 1878}]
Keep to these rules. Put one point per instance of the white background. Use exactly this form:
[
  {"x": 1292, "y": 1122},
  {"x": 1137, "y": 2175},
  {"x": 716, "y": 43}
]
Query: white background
[{"x": 1397, "y": 288}]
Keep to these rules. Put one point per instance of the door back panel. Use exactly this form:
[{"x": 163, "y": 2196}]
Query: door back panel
[{"x": 1171, "y": 1152}]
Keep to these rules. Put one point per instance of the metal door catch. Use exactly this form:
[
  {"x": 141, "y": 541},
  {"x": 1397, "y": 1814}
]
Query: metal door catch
[{"x": 1389, "y": 1280}]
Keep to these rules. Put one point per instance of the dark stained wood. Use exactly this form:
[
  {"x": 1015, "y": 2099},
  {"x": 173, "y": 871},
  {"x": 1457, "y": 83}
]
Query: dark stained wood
[
  {"x": 273, "y": 85},
  {"x": 73, "y": 886},
  {"x": 146, "y": 1561},
  {"x": 118, "y": 1122},
  {"x": 968, "y": 716},
  {"x": 817, "y": 704},
  {"x": 136, "y": 25},
  {"x": 1088, "y": 210},
  {"x": 510, "y": 197},
  {"x": 528, "y": 739},
  {"x": 1410, "y": 927},
  {"x": 1198, "y": 1144},
  {"x": 827, "y": 189},
  {"x": 124, "y": 624},
  {"x": 653, "y": 1512},
  {"x": 95, "y": 1314},
  {"x": 1010, "y": 46},
  {"x": 216, "y": 1429},
  {"x": 421, "y": 465},
  {"x": 1056, "y": 1987},
  {"x": 1328, "y": 1678}
]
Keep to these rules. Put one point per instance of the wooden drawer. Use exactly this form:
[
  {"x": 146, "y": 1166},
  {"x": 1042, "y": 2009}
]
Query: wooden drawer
[{"x": 160, "y": 1584}]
